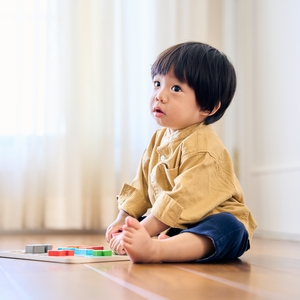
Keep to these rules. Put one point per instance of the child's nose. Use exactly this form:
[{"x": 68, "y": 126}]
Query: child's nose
[{"x": 161, "y": 96}]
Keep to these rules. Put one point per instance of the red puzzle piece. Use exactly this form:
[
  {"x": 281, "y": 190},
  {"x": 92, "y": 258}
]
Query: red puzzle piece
[{"x": 61, "y": 253}]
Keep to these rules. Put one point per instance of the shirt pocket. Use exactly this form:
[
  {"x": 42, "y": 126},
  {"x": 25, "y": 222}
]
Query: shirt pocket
[{"x": 166, "y": 177}]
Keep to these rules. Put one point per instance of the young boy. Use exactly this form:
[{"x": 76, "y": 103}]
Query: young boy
[{"x": 185, "y": 176}]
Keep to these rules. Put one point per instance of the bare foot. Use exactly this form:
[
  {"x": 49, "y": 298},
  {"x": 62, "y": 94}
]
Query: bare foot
[{"x": 139, "y": 246}]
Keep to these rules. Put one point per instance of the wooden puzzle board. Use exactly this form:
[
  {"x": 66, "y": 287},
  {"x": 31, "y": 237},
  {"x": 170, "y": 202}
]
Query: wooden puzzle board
[{"x": 20, "y": 254}]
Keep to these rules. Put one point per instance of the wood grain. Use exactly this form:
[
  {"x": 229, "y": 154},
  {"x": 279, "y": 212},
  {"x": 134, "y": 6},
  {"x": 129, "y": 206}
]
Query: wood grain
[{"x": 269, "y": 270}]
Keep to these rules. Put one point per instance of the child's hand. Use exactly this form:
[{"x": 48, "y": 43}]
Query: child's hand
[
  {"x": 116, "y": 244},
  {"x": 116, "y": 226},
  {"x": 113, "y": 230}
]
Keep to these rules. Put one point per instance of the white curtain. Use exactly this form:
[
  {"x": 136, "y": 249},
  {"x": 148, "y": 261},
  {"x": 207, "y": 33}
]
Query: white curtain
[{"x": 74, "y": 113}]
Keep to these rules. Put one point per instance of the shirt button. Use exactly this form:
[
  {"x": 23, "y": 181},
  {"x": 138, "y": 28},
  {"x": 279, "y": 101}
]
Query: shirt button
[{"x": 162, "y": 157}]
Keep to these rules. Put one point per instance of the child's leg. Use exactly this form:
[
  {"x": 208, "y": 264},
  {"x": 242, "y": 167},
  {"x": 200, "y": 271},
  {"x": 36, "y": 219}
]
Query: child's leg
[{"x": 181, "y": 248}]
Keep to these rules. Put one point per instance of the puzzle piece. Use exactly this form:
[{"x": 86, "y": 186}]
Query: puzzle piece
[
  {"x": 61, "y": 253},
  {"x": 91, "y": 247},
  {"x": 66, "y": 248},
  {"x": 102, "y": 253},
  {"x": 84, "y": 251},
  {"x": 37, "y": 248},
  {"x": 85, "y": 247}
]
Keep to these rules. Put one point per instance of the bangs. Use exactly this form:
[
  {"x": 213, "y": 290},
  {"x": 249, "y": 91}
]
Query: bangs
[{"x": 170, "y": 60}]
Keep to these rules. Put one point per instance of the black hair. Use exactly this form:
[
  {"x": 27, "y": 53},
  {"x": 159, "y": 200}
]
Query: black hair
[{"x": 205, "y": 69}]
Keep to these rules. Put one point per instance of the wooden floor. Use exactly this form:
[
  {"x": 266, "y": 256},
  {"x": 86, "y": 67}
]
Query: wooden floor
[{"x": 270, "y": 270}]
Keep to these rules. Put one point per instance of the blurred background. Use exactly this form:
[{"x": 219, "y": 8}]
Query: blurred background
[{"x": 74, "y": 113}]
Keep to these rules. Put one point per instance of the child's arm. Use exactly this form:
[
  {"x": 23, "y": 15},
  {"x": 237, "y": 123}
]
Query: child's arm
[{"x": 153, "y": 225}]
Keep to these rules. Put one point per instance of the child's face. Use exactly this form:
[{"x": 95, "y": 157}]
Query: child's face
[{"x": 173, "y": 103}]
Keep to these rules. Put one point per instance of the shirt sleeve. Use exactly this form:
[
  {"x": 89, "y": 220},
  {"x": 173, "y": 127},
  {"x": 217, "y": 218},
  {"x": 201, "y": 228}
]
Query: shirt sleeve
[
  {"x": 131, "y": 200},
  {"x": 134, "y": 198}
]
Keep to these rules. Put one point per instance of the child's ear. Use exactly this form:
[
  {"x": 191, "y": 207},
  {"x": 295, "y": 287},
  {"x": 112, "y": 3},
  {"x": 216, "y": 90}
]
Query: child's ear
[{"x": 208, "y": 113}]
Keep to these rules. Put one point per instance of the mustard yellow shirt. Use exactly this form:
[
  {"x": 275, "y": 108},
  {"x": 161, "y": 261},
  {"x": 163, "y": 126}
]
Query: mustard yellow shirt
[{"x": 184, "y": 177}]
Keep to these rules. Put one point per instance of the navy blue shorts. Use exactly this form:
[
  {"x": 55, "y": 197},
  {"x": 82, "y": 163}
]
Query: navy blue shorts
[{"x": 227, "y": 233}]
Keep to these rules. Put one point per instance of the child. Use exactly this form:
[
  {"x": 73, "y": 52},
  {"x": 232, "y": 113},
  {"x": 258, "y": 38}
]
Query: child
[{"x": 185, "y": 176}]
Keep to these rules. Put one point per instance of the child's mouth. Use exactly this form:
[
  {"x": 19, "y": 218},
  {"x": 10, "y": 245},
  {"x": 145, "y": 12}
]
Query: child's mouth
[{"x": 158, "y": 112}]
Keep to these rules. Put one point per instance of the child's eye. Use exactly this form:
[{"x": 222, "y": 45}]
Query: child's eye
[
  {"x": 156, "y": 83},
  {"x": 176, "y": 88}
]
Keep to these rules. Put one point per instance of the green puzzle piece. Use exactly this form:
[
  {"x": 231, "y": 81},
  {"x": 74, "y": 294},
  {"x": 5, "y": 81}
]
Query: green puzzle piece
[{"x": 102, "y": 253}]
